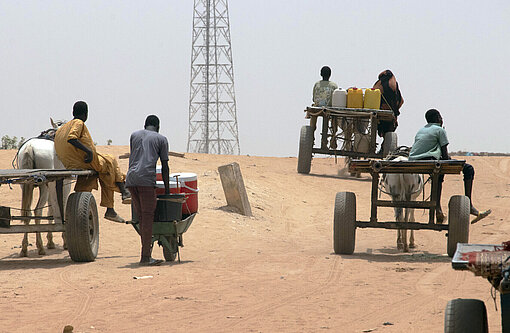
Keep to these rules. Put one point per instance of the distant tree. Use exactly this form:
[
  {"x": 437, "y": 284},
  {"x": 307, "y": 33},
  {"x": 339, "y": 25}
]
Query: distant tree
[
  {"x": 9, "y": 143},
  {"x": 22, "y": 141},
  {"x": 109, "y": 142}
]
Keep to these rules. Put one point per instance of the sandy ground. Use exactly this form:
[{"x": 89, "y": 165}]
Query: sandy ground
[{"x": 274, "y": 272}]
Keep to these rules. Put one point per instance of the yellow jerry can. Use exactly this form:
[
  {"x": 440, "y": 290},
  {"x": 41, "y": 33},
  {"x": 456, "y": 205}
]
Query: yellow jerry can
[
  {"x": 372, "y": 99},
  {"x": 355, "y": 98}
]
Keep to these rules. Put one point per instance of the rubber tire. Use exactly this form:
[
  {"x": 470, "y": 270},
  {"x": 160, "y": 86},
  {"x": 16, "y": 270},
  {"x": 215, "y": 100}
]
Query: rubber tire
[
  {"x": 305, "y": 150},
  {"x": 390, "y": 143},
  {"x": 465, "y": 316},
  {"x": 344, "y": 228},
  {"x": 169, "y": 256},
  {"x": 458, "y": 222},
  {"x": 82, "y": 227}
]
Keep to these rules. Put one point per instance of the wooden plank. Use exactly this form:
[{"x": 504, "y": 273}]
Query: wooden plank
[
  {"x": 388, "y": 166},
  {"x": 28, "y": 218},
  {"x": 170, "y": 153},
  {"x": 349, "y": 112},
  {"x": 27, "y": 175},
  {"x": 18, "y": 229},
  {"x": 401, "y": 225},
  {"x": 373, "y": 203},
  {"x": 233, "y": 186},
  {"x": 405, "y": 204}
]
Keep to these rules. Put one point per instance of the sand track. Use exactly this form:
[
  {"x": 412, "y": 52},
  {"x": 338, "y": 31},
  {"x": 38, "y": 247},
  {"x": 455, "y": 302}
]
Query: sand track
[{"x": 274, "y": 272}]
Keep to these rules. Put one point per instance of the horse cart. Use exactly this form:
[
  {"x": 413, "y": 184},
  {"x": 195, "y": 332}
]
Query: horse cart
[
  {"x": 491, "y": 262},
  {"x": 80, "y": 222},
  {"x": 345, "y": 222},
  {"x": 357, "y": 134}
]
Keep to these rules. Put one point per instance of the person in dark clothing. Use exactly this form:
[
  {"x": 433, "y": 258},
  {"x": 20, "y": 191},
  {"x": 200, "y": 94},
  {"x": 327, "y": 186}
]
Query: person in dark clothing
[
  {"x": 430, "y": 143},
  {"x": 391, "y": 99},
  {"x": 146, "y": 147}
]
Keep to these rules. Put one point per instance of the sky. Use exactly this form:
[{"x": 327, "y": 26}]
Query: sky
[{"x": 128, "y": 59}]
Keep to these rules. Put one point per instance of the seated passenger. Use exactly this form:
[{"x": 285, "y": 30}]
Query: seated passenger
[
  {"x": 322, "y": 94},
  {"x": 430, "y": 143},
  {"x": 76, "y": 149}
]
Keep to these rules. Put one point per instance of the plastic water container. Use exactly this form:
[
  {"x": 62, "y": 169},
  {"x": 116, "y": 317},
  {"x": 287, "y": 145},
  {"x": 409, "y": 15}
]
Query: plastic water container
[
  {"x": 372, "y": 99},
  {"x": 181, "y": 182},
  {"x": 339, "y": 98},
  {"x": 355, "y": 98}
]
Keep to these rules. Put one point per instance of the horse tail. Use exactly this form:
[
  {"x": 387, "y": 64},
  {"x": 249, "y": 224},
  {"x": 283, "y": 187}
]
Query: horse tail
[{"x": 26, "y": 158}]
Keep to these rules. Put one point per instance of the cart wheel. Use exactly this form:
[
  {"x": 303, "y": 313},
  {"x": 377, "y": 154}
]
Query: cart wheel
[
  {"x": 465, "y": 316},
  {"x": 458, "y": 222},
  {"x": 305, "y": 150},
  {"x": 169, "y": 256},
  {"x": 390, "y": 143},
  {"x": 82, "y": 226},
  {"x": 344, "y": 229}
]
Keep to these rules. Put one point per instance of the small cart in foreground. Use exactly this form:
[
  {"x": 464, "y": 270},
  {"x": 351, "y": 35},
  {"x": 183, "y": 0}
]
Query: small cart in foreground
[
  {"x": 168, "y": 225},
  {"x": 488, "y": 261},
  {"x": 345, "y": 223},
  {"x": 356, "y": 136},
  {"x": 80, "y": 223}
]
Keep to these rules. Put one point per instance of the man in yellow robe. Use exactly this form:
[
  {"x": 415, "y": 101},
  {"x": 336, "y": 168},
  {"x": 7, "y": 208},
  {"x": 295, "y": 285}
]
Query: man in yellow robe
[{"x": 76, "y": 149}]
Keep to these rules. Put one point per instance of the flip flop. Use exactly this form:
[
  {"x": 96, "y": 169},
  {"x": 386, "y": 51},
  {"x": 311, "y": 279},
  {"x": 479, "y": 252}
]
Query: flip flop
[
  {"x": 481, "y": 215},
  {"x": 115, "y": 218},
  {"x": 126, "y": 201}
]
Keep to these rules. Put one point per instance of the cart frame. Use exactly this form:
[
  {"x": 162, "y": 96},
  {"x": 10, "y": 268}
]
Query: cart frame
[
  {"x": 82, "y": 227},
  {"x": 328, "y": 113},
  {"x": 432, "y": 168},
  {"x": 345, "y": 222}
]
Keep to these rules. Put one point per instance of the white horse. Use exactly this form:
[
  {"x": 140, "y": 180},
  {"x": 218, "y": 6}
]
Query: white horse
[
  {"x": 403, "y": 187},
  {"x": 39, "y": 153}
]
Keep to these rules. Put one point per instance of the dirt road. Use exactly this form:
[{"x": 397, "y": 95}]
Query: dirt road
[{"x": 274, "y": 272}]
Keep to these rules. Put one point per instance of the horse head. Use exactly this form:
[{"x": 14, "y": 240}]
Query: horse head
[
  {"x": 50, "y": 133},
  {"x": 56, "y": 124}
]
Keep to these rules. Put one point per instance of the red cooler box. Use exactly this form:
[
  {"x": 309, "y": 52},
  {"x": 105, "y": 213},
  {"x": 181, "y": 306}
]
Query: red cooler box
[{"x": 181, "y": 182}]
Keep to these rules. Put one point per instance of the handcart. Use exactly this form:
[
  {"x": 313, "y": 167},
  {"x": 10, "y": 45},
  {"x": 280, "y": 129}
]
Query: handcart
[
  {"x": 80, "y": 223},
  {"x": 356, "y": 136},
  {"x": 345, "y": 222},
  {"x": 169, "y": 224},
  {"x": 491, "y": 262}
]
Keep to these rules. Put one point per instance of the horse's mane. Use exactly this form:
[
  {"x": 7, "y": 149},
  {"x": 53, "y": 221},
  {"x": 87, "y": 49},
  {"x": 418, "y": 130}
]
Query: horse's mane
[{"x": 400, "y": 151}]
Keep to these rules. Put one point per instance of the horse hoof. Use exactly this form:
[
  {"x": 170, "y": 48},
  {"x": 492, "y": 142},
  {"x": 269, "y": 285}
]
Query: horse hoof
[
  {"x": 400, "y": 246},
  {"x": 412, "y": 246},
  {"x": 50, "y": 246},
  {"x": 23, "y": 253},
  {"x": 42, "y": 252}
]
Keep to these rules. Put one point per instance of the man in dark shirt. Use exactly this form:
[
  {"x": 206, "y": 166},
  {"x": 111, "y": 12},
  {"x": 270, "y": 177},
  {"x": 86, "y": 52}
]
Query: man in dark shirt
[{"x": 146, "y": 147}]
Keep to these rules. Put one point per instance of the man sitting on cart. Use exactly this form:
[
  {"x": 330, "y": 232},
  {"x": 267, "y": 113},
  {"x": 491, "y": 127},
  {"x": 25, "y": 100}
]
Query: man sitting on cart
[
  {"x": 321, "y": 96},
  {"x": 430, "y": 143},
  {"x": 76, "y": 149}
]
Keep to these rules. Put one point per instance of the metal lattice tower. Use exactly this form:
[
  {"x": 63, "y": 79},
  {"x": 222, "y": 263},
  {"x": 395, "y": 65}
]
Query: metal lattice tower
[{"x": 212, "y": 102}]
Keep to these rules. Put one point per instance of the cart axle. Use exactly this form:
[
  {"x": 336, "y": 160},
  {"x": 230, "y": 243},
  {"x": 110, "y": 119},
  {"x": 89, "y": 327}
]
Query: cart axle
[{"x": 401, "y": 225}]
